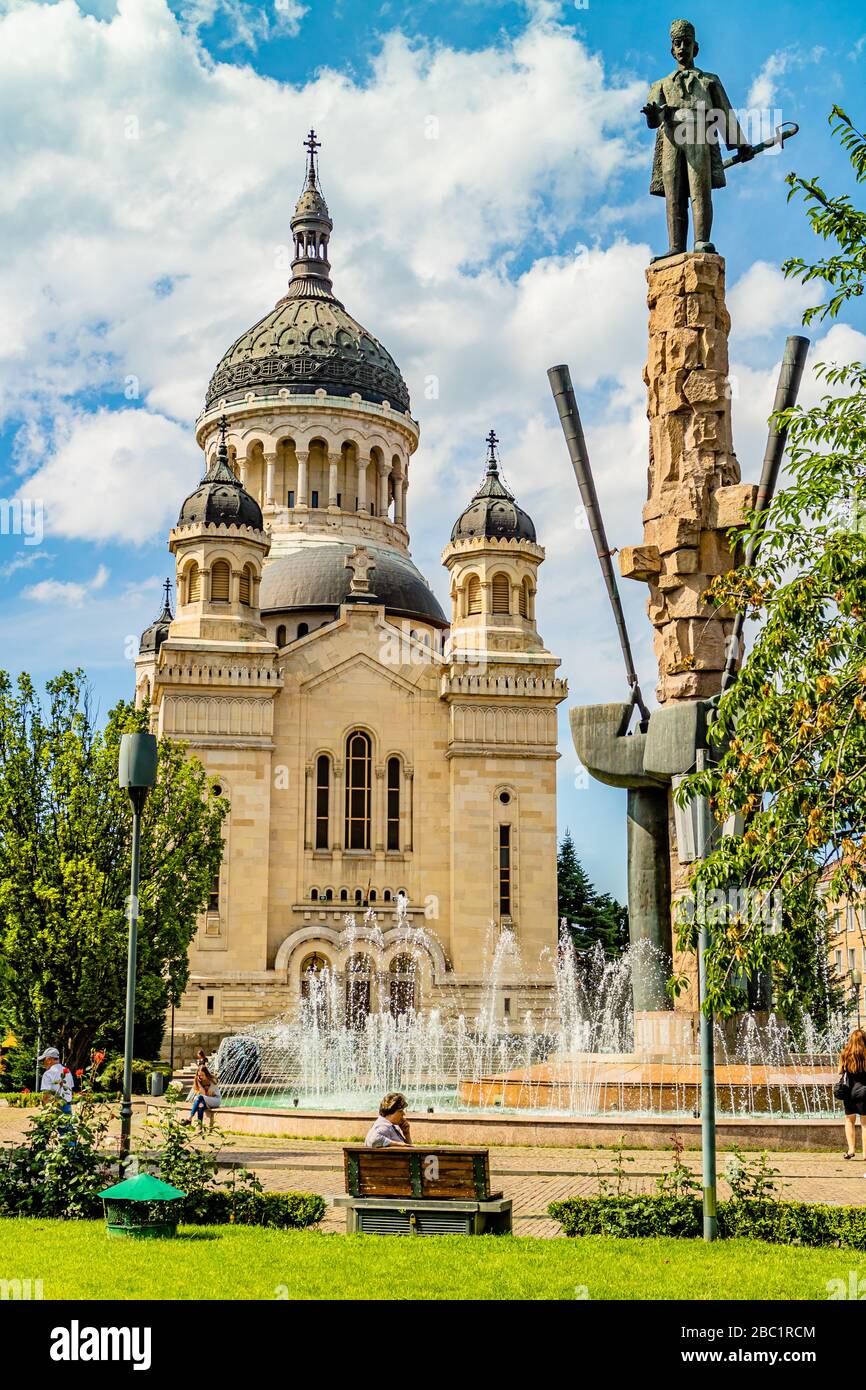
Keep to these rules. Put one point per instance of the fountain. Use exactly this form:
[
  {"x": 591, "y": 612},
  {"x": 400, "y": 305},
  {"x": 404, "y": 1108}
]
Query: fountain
[{"x": 339, "y": 1055}]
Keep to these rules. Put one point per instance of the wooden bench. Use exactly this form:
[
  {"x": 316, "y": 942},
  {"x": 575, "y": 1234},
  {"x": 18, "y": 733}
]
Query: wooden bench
[{"x": 421, "y": 1191}]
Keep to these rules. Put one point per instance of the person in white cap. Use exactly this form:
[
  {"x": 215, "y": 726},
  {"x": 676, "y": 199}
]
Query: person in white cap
[{"x": 56, "y": 1079}]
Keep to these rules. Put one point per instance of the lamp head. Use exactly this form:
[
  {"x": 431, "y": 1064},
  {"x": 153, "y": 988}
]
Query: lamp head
[{"x": 137, "y": 765}]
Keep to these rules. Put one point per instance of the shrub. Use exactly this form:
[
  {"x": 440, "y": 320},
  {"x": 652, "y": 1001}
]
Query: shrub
[
  {"x": 111, "y": 1076},
  {"x": 279, "y": 1210},
  {"x": 780, "y": 1223},
  {"x": 59, "y": 1168}
]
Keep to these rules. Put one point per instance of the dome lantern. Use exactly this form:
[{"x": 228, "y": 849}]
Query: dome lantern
[
  {"x": 308, "y": 340},
  {"x": 311, "y": 230}
]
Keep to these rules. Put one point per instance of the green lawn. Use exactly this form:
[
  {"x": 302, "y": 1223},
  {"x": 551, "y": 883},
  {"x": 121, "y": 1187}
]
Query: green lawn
[{"x": 77, "y": 1260}]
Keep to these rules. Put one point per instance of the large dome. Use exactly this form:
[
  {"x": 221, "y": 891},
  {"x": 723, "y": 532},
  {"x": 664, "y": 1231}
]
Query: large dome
[
  {"x": 308, "y": 340},
  {"x": 315, "y": 575}
]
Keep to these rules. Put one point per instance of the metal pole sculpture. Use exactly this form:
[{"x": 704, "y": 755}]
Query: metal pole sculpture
[
  {"x": 569, "y": 417},
  {"x": 137, "y": 773}
]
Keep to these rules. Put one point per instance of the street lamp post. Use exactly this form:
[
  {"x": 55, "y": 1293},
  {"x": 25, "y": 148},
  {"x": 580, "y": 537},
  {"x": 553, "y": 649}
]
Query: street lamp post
[
  {"x": 137, "y": 773},
  {"x": 856, "y": 982},
  {"x": 694, "y": 833}
]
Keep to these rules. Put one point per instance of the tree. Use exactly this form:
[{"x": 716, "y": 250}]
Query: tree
[
  {"x": 591, "y": 916},
  {"x": 65, "y": 843},
  {"x": 791, "y": 732}
]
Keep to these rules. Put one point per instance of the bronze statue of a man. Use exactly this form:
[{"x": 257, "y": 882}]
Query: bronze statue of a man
[{"x": 690, "y": 110}]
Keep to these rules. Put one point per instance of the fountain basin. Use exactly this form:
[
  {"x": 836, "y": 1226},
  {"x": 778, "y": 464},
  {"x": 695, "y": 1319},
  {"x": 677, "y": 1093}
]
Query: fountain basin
[
  {"x": 598, "y": 1085},
  {"x": 791, "y": 1134}
]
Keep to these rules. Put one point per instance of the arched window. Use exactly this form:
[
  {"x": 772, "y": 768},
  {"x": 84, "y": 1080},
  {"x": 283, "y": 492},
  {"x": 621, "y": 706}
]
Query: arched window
[
  {"x": 358, "y": 981},
  {"x": 303, "y": 629},
  {"x": 473, "y": 595},
  {"x": 344, "y": 895},
  {"x": 329, "y": 895},
  {"x": 358, "y": 768},
  {"x": 393, "y": 838},
  {"x": 312, "y": 972},
  {"x": 372, "y": 895},
  {"x": 501, "y": 593},
  {"x": 314, "y": 895},
  {"x": 281, "y": 636},
  {"x": 386, "y": 896},
  {"x": 359, "y": 896},
  {"x": 220, "y": 582},
  {"x": 193, "y": 584},
  {"x": 246, "y": 587},
  {"x": 402, "y": 985},
  {"x": 323, "y": 801}
]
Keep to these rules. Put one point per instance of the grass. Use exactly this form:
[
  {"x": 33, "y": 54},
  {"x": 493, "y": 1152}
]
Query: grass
[{"x": 76, "y": 1260}]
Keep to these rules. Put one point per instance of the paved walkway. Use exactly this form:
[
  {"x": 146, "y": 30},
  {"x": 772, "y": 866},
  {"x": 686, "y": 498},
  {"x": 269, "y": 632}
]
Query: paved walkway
[{"x": 531, "y": 1177}]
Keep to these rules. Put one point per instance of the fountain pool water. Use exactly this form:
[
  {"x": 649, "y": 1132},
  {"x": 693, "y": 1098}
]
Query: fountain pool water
[{"x": 340, "y": 1054}]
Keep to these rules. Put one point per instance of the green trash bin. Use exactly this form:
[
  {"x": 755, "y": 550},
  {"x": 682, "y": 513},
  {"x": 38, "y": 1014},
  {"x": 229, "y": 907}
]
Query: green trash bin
[{"x": 142, "y": 1207}]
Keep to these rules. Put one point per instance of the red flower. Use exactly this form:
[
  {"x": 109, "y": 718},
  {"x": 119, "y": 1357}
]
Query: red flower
[
  {"x": 80, "y": 1071},
  {"x": 98, "y": 1057},
  {"x": 25, "y": 1091}
]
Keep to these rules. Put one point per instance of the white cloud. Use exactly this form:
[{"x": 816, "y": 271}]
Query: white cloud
[
  {"x": 764, "y": 91},
  {"x": 115, "y": 476},
  {"x": 762, "y": 301},
  {"x": 68, "y": 593},
  {"x": 24, "y": 561},
  {"x": 247, "y": 25}
]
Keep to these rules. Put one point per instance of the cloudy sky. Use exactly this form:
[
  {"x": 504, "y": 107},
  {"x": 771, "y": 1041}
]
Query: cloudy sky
[{"x": 486, "y": 167}]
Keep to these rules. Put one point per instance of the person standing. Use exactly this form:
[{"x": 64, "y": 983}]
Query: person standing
[
  {"x": 689, "y": 110},
  {"x": 852, "y": 1089},
  {"x": 56, "y": 1079}
]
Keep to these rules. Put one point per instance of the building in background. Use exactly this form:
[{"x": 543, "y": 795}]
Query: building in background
[{"x": 371, "y": 747}]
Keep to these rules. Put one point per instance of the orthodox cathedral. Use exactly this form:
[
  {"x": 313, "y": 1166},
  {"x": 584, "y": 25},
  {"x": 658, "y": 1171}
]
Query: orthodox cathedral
[{"x": 376, "y": 752}]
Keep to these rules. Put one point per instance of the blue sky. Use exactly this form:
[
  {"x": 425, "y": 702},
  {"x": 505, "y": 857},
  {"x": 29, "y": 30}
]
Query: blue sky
[{"x": 145, "y": 204}]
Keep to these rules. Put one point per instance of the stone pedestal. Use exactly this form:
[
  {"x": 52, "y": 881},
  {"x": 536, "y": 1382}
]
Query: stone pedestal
[
  {"x": 694, "y": 495},
  {"x": 694, "y": 492},
  {"x": 666, "y": 1035}
]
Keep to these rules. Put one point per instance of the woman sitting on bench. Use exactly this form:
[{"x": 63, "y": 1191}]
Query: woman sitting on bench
[{"x": 390, "y": 1126}]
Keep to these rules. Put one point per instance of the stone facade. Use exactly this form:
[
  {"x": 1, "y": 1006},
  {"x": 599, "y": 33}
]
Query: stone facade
[{"x": 365, "y": 750}]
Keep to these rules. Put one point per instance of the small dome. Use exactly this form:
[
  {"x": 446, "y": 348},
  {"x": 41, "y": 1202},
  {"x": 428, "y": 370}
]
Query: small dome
[
  {"x": 153, "y": 637},
  {"x": 493, "y": 512},
  {"x": 219, "y": 499}
]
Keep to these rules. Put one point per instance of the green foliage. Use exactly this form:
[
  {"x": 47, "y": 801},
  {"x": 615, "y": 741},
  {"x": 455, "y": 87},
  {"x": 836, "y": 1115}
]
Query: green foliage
[
  {"x": 247, "y": 1207},
  {"x": 188, "y": 1165},
  {"x": 111, "y": 1076},
  {"x": 780, "y": 1223},
  {"x": 188, "y": 1161},
  {"x": 65, "y": 838},
  {"x": 620, "y": 1159},
  {"x": 60, "y": 1167},
  {"x": 834, "y": 219},
  {"x": 790, "y": 737},
  {"x": 752, "y": 1179},
  {"x": 680, "y": 1181},
  {"x": 591, "y": 917}
]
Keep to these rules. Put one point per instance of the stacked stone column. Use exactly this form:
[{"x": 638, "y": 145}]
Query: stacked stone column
[{"x": 694, "y": 495}]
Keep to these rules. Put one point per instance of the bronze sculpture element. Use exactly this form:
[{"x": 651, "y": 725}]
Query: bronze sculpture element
[{"x": 690, "y": 110}]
